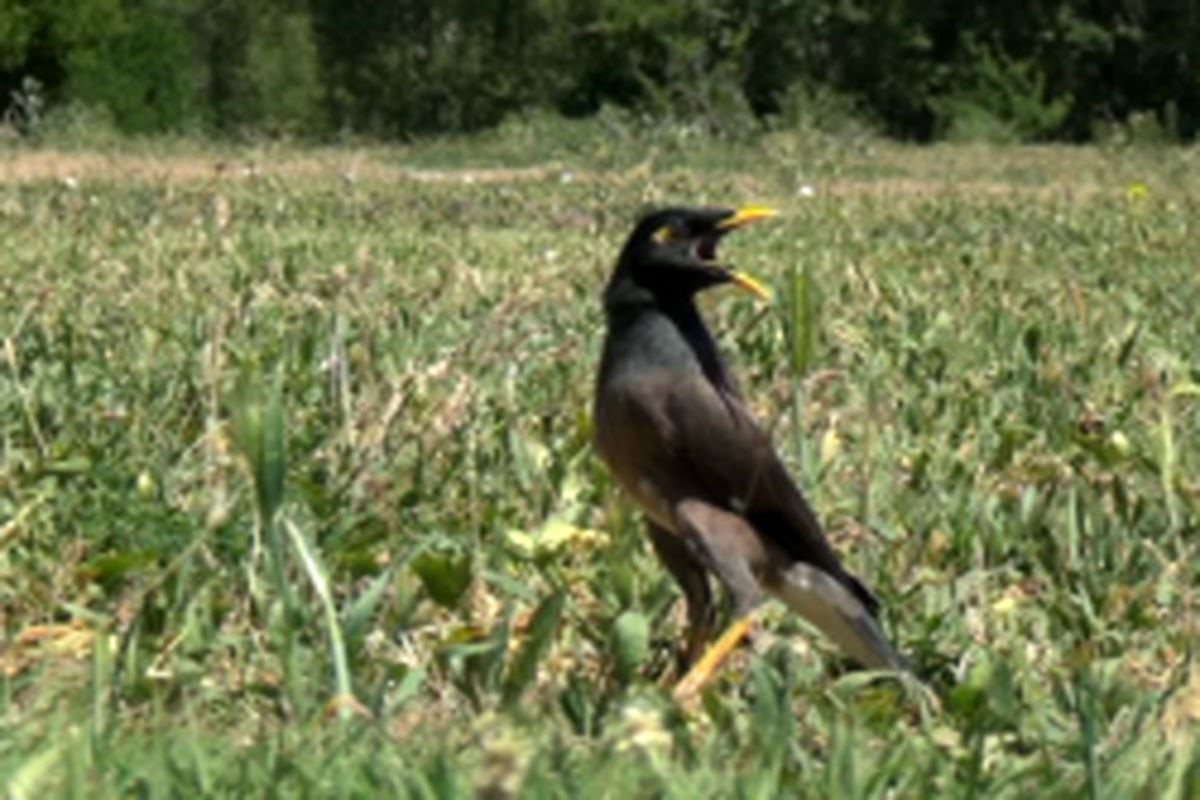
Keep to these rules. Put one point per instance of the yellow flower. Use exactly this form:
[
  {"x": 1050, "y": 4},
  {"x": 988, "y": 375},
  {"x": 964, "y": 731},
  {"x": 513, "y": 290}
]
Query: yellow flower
[
  {"x": 831, "y": 445},
  {"x": 1137, "y": 191},
  {"x": 1005, "y": 606}
]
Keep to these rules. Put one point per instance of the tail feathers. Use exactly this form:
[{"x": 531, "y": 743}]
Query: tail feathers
[
  {"x": 862, "y": 592},
  {"x": 825, "y": 602}
]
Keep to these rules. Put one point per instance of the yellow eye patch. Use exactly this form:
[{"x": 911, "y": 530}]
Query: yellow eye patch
[{"x": 664, "y": 235}]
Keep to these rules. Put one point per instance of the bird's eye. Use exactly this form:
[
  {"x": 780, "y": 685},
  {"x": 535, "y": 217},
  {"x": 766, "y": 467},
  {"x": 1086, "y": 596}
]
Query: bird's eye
[{"x": 665, "y": 235}]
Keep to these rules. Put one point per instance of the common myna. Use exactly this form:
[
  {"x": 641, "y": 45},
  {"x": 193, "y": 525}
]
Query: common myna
[{"x": 672, "y": 427}]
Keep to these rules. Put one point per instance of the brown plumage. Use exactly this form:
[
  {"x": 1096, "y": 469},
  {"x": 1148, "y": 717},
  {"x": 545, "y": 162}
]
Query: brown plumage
[{"x": 672, "y": 427}]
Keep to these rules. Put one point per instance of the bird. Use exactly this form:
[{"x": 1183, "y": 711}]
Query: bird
[{"x": 671, "y": 424}]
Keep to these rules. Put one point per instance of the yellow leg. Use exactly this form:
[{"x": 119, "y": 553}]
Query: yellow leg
[{"x": 703, "y": 669}]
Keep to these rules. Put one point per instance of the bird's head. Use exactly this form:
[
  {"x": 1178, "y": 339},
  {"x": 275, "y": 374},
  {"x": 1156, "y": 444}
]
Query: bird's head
[{"x": 673, "y": 251}]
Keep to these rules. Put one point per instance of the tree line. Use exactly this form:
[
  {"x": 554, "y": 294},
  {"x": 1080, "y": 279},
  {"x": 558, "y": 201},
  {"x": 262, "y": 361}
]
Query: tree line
[{"x": 916, "y": 69}]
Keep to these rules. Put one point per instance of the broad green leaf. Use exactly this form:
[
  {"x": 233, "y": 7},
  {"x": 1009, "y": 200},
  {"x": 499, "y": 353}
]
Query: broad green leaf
[
  {"x": 444, "y": 575},
  {"x": 630, "y": 643}
]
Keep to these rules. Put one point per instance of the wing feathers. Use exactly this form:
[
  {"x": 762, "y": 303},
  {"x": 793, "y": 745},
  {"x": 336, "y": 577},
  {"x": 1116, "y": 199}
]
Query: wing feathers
[
  {"x": 736, "y": 466},
  {"x": 828, "y": 605}
]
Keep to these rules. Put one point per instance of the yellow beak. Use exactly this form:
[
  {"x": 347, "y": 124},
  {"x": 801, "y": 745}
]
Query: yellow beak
[
  {"x": 746, "y": 215},
  {"x": 750, "y": 285}
]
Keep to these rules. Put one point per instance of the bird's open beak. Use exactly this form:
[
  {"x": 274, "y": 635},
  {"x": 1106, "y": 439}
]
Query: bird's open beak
[
  {"x": 744, "y": 216},
  {"x": 750, "y": 285}
]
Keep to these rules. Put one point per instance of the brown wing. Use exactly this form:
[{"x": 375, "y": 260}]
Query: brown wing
[{"x": 732, "y": 459}]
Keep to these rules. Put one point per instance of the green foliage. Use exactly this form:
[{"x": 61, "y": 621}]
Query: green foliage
[
  {"x": 283, "y": 68},
  {"x": 258, "y": 432},
  {"x": 630, "y": 644},
  {"x": 1002, "y": 381},
  {"x": 539, "y": 637},
  {"x": 18, "y": 25},
  {"x": 801, "y": 320},
  {"x": 445, "y": 575},
  {"x": 263, "y": 69},
  {"x": 138, "y": 70},
  {"x": 810, "y": 106},
  {"x": 921, "y": 70},
  {"x": 1000, "y": 101},
  {"x": 408, "y": 68}
]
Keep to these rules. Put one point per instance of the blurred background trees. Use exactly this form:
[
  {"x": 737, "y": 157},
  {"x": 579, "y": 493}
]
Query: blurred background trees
[{"x": 1017, "y": 70}]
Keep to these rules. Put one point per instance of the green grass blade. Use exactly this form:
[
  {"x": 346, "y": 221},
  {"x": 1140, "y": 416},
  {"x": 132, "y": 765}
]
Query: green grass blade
[
  {"x": 538, "y": 637},
  {"x": 258, "y": 427},
  {"x": 802, "y": 322}
]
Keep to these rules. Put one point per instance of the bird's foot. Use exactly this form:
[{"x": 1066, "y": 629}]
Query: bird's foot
[{"x": 702, "y": 671}]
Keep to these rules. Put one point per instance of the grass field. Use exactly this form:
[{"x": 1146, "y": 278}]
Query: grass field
[{"x": 297, "y": 498}]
